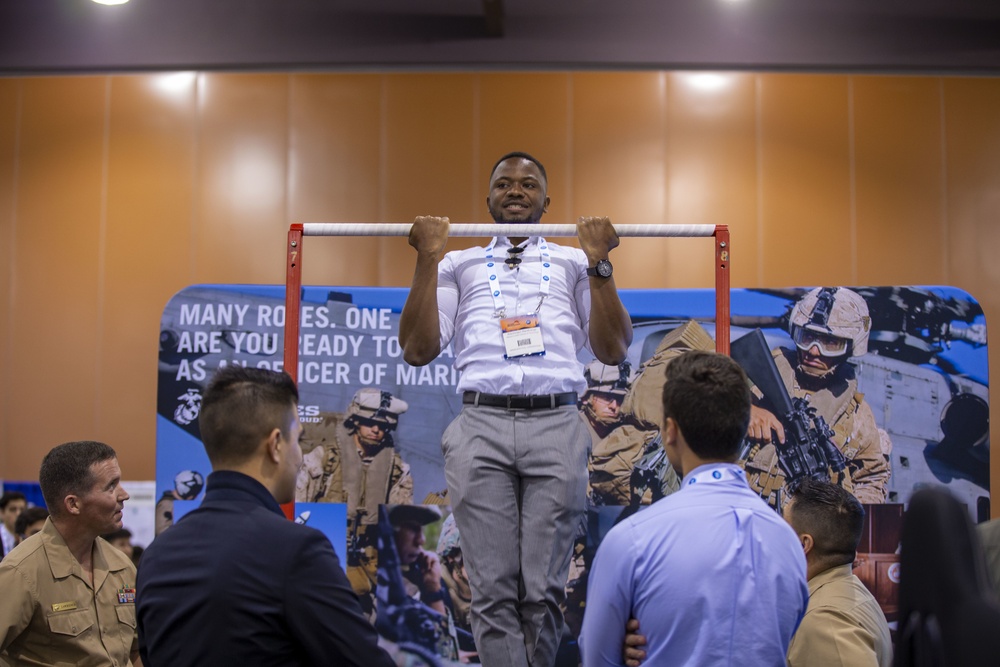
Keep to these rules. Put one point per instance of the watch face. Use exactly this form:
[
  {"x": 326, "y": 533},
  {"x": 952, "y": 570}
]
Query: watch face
[{"x": 604, "y": 268}]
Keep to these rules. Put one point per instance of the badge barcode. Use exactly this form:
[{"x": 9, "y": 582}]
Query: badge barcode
[{"x": 524, "y": 341}]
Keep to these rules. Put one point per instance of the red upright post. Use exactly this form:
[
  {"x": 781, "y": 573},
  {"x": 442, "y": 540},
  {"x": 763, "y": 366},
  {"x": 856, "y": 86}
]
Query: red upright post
[
  {"x": 722, "y": 256},
  {"x": 293, "y": 299}
]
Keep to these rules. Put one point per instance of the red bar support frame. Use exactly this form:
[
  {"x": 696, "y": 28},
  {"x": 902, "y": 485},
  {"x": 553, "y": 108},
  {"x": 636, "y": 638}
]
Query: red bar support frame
[
  {"x": 293, "y": 299},
  {"x": 293, "y": 294},
  {"x": 722, "y": 254}
]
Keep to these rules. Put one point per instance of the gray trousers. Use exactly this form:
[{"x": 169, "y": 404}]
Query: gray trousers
[{"x": 517, "y": 481}]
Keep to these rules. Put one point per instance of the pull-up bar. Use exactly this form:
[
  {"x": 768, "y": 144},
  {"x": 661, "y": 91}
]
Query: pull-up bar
[
  {"x": 491, "y": 230},
  {"x": 293, "y": 267}
]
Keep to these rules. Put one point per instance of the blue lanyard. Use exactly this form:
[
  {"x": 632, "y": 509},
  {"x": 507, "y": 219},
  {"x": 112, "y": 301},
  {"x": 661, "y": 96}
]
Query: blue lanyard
[{"x": 499, "y": 305}]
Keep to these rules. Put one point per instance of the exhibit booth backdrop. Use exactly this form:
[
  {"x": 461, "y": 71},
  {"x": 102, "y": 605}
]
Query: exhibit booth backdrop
[{"x": 924, "y": 378}]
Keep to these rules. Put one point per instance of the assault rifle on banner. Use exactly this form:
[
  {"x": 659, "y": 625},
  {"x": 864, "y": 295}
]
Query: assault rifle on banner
[
  {"x": 808, "y": 450},
  {"x": 647, "y": 474}
]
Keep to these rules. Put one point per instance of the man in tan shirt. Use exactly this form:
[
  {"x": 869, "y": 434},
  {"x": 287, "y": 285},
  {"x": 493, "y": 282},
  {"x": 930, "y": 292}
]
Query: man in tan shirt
[
  {"x": 844, "y": 624},
  {"x": 68, "y": 596}
]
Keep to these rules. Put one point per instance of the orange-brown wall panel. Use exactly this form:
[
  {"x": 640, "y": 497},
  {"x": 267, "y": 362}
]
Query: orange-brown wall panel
[
  {"x": 711, "y": 167},
  {"x": 147, "y": 247},
  {"x": 805, "y": 184},
  {"x": 115, "y": 193},
  {"x": 9, "y": 99},
  {"x": 619, "y": 128},
  {"x": 334, "y": 165},
  {"x": 898, "y": 169},
  {"x": 530, "y": 113},
  {"x": 427, "y": 159},
  {"x": 241, "y": 214},
  {"x": 972, "y": 145},
  {"x": 55, "y": 319}
]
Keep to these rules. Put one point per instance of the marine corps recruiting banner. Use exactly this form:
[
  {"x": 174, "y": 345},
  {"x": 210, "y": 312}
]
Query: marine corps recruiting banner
[{"x": 882, "y": 390}]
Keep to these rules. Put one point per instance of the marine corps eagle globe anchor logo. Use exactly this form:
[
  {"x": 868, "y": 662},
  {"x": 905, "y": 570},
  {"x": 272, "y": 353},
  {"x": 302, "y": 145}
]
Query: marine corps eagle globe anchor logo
[{"x": 189, "y": 407}]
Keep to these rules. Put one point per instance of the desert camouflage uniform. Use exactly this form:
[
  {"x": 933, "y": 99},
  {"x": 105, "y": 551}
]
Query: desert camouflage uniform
[{"x": 855, "y": 435}]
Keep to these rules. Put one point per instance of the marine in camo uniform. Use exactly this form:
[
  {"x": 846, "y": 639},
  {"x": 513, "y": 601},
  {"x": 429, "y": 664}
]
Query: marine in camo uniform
[
  {"x": 619, "y": 442},
  {"x": 829, "y": 325}
]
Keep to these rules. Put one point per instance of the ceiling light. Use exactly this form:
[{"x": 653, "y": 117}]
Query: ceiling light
[
  {"x": 708, "y": 82},
  {"x": 110, "y": 2}
]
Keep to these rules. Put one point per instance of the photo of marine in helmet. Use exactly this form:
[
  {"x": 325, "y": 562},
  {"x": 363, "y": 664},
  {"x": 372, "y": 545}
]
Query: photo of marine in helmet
[
  {"x": 350, "y": 458},
  {"x": 829, "y": 326},
  {"x": 619, "y": 441}
]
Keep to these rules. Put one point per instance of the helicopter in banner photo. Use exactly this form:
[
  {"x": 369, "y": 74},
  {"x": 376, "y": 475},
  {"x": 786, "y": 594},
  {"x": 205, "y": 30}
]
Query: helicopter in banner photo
[{"x": 923, "y": 376}]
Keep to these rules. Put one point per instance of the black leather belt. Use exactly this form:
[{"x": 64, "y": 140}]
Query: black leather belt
[{"x": 537, "y": 402}]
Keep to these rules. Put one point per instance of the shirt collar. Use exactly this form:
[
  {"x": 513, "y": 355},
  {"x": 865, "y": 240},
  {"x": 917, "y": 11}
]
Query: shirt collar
[
  {"x": 717, "y": 472},
  {"x": 232, "y": 485},
  {"x": 827, "y": 576},
  {"x": 501, "y": 243},
  {"x": 62, "y": 562}
]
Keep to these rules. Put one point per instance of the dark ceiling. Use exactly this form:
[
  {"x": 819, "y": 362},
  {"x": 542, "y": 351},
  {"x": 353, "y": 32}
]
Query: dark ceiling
[{"x": 932, "y": 36}]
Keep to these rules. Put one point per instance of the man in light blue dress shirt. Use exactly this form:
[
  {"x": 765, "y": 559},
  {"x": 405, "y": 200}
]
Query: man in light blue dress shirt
[{"x": 713, "y": 575}]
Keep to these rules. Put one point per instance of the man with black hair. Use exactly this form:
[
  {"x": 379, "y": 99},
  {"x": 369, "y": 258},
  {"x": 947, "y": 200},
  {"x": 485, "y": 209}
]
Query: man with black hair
[
  {"x": 732, "y": 570},
  {"x": 517, "y": 312},
  {"x": 68, "y": 598},
  {"x": 12, "y": 504},
  {"x": 29, "y": 522},
  {"x": 844, "y": 624},
  {"x": 234, "y": 582}
]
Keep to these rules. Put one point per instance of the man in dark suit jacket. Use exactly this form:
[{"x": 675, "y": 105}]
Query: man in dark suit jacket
[{"x": 234, "y": 582}]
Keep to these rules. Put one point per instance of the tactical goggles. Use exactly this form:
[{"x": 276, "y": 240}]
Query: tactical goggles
[
  {"x": 365, "y": 421},
  {"x": 828, "y": 346}
]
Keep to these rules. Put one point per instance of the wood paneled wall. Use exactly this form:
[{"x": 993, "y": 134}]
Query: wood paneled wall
[{"x": 117, "y": 191}]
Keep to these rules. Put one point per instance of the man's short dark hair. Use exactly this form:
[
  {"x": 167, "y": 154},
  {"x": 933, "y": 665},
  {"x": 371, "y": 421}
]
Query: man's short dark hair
[
  {"x": 708, "y": 395},
  {"x": 832, "y": 515},
  {"x": 523, "y": 156},
  {"x": 241, "y": 406},
  {"x": 9, "y": 497},
  {"x": 66, "y": 470},
  {"x": 29, "y": 516}
]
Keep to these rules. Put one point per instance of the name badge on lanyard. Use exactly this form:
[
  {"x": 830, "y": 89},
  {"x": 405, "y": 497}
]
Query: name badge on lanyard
[{"x": 522, "y": 335}]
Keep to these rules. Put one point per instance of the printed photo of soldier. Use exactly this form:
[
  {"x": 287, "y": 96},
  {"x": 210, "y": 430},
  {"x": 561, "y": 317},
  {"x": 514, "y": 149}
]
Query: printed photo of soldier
[
  {"x": 415, "y": 605},
  {"x": 627, "y": 464},
  {"x": 832, "y": 434},
  {"x": 187, "y": 485},
  {"x": 449, "y": 550},
  {"x": 351, "y": 458}
]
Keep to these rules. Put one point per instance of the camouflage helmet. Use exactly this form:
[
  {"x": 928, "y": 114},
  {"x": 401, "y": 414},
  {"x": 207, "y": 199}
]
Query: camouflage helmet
[
  {"x": 449, "y": 540},
  {"x": 608, "y": 379},
  {"x": 377, "y": 406},
  {"x": 834, "y": 311}
]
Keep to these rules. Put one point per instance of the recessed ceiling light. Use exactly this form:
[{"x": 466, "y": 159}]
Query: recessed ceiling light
[
  {"x": 707, "y": 81},
  {"x": 110, "y": 2}
]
